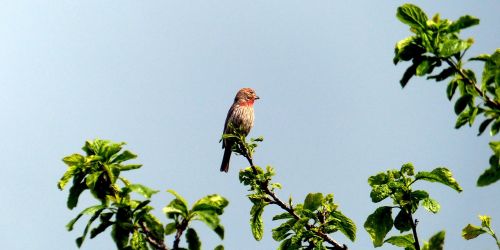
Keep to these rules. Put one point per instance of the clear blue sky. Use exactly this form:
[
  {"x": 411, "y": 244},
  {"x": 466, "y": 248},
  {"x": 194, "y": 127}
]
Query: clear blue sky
[{"x": 160, "y": 75}]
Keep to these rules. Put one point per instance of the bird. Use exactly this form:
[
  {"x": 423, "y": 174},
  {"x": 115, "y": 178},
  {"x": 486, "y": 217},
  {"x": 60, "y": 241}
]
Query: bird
[{"x": 240, "y": 116}]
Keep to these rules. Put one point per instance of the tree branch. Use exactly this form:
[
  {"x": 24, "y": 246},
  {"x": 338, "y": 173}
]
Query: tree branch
[
  {"x": 156, "y": 243},
  {"x": 472, "y": 82},
  {"x": 178, "y": 234},
  {"x": 289, "y": 208},
  {"x": 414, "y": 230}
]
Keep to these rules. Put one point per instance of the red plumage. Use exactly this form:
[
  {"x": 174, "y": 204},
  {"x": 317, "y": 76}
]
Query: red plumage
[{"x": 240, "y": 116}]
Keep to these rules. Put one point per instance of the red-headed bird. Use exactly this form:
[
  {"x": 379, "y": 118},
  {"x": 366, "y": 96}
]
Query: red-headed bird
[{"x": 240, "y": 116}]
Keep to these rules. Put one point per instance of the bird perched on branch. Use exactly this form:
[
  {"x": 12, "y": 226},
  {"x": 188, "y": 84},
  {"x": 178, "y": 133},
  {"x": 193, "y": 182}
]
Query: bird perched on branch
[{"x": 240, "y": 116}]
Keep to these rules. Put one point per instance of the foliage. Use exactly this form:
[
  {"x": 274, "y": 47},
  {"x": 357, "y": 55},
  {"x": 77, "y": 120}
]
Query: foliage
[
  {"x": 397, "y": 185},
  {"x": 472, "y": 231},
  {"x": 133, "y": 225},
  {"x": 307, "y": 225},
  {"x": 435, "y": 43}
]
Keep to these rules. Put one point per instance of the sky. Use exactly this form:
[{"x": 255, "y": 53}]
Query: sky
[{"x": 161, "y": 75}]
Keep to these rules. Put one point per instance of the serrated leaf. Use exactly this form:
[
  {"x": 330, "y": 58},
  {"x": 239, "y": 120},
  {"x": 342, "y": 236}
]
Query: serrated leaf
[
  {"x": 282, "y": 231},
  {"x": 405, "y": 241},
  {"x": 431, "y": 205},
  {"x": 345, "y": 225},
  {"x": 155, "y": 226},
  {"x": 313, "y": 201},
  {"x": 378, "y": 224},
  {"x": 412, "y": 15},
  {"x": 452, "y": 46},
  {"x": 193, "y": 240},
  {"x": 256, "y": 222},
  {"x": 440, "y": 175},
  {"x": 283, "y": 216}
]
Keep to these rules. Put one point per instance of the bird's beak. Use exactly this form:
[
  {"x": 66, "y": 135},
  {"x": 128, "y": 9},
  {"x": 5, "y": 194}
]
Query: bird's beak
[{"x": 257, "y": 97}]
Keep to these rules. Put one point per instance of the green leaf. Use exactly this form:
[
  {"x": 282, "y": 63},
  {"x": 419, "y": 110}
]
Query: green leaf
[
  {"x": 378, "y": 224},
  {"x": 462, "y": 102},
  {"x": 471, "y": 231},
  {"x": 495, "y": 127},
  {"x": 441, "y": 175},
  {"x": 75, "y": 191},
  {"x": 445, "y": 73},
  {"x": 452, "y": 46},
  {"x": 462, "y": 23},
  {"x": 87, "y": 211},
  {"x": 313, "y": 201},
  {"x": 380, "y": 192},
  {"x": 431, "y": 205},
  {"x": 179, "y": 203},
  {"x": 155, "y": 225},
  {"x": 256, "y": 222},
  {"x": 423, "y": 68},
  {"x": 92, "y": 178},
  {"x": 419, "y": 195},
  {"x": 484, "y": 125},
  {"x": 490, "y": 175},
  {"x": 283, "y": 216},
  {"x": 412, "y": 15},
  {"x": 143, "y": 190},
  {"x": 462, "y": 119},
  {"x": 409, "y": 73},
  {"x": 450, "y": 90},
  {"x": 129, "y": 167},
  {"x": 124, "y": 156},
  {"x": 402, "y": 222},
  {"x": 345, "y": 225},
  {"x": 74, "y": 160},
  {"x": 170, "y": 228},
  {"x": 405, "y": 241},
  {"x": 212, "y": 202},
  {"x": 436, "y": 242},
  {"x": 219, "y": 247},
  {"x": 211, "y": 219},
  {"x": 282, "y": 231},
  {"x": 138, "y": 242},
  {"x": 95, "y": 214},
  {"x": 192, "y": 239},
  {"x": 101, "y": 228},
  {"x": 66, "y": 177}
]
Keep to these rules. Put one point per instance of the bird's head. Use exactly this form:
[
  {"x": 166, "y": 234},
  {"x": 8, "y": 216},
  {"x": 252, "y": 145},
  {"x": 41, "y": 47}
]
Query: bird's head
[{"x": 246, "y": 96}]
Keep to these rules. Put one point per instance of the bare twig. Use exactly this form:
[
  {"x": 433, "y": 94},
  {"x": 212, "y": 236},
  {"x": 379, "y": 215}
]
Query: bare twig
[
  {"x": 416, "y": 244},
  {"x": 178, "y": 234}
]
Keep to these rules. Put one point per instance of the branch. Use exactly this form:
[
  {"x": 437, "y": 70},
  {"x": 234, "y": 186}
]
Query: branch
[
  {"x": 178, "y": 234},
  {"x": 157, "y": 244},
  {"x": 472, "y": 82},
  {"x": 289, "y": 208},
  {"x": 414, "y": 230}
]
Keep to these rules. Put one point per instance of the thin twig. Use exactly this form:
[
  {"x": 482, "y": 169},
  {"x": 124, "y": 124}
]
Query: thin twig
[
  {"x": 275, "y": 200},
  {"x": 414, "y": 230}
]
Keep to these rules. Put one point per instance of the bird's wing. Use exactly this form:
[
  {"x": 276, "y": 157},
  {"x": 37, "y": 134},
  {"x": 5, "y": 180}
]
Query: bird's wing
[{"x": 225, "y": 124}]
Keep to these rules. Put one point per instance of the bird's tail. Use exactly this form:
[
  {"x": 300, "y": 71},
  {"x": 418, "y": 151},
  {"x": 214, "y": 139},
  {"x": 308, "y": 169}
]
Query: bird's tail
[{"x": 224, "y": 167}]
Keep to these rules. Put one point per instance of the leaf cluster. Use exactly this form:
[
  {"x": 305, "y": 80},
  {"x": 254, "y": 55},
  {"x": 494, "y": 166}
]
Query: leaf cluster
[
  {"x": 133, "y": 225},
  {"x": 435, "y": 42},
  {"x": 397, "y": 185}
]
